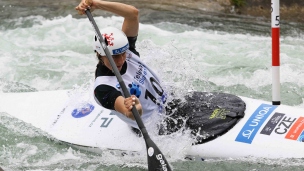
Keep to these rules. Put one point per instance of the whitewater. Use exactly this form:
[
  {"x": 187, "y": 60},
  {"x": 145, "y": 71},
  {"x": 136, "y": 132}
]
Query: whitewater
[{"x": 42, "y": 54}]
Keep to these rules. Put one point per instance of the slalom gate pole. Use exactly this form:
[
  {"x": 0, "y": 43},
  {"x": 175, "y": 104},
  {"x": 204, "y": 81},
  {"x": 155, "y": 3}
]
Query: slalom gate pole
[{"x": 275, "y": 33}]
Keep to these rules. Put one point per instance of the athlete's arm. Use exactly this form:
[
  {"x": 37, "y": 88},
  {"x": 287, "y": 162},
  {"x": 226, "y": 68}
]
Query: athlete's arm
[
  {"x": 125, "y": 105},
  {"x": 112, "y": 99},
  {"x": 130, "y": 13}
]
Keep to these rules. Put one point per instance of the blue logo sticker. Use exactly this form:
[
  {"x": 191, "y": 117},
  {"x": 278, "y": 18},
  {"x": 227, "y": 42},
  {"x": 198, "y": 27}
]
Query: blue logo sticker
[
  {"x": 301, "y": 137},
  {"x": 120, "y": 50},
  {"x": 86, "y": 110},
  {"x": 252, "y": 126},
  {"x": 118, "y": 86},
  {"x": 135, "y": 90}
]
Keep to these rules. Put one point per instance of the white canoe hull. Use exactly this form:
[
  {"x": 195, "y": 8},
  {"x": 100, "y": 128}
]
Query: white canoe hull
[{"x": 265, "y": 131}]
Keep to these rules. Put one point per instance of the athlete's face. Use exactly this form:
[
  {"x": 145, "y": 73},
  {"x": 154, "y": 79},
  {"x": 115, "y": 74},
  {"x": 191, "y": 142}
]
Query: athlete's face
[{"x": 118, "y": 59}]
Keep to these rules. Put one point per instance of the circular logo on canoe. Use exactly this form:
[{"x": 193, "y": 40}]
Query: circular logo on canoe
[
  {"x": 150, "y": 151},
  {"x": 82, "y": 112}
]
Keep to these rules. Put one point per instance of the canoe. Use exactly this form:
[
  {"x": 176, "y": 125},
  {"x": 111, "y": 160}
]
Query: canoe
[{"x": 263, "y": 130}]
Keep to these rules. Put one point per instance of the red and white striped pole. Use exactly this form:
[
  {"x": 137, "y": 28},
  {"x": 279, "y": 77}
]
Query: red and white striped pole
[{"x": 275, "y": 30}]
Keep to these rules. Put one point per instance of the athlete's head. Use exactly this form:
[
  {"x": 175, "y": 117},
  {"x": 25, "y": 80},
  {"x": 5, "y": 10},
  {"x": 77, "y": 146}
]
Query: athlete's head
[
  {"x": 117, "y": 43},
  {"x": 115, "y": 39}
]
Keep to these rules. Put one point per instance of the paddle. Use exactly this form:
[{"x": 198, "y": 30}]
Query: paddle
[{"x": 156, "y": 160}]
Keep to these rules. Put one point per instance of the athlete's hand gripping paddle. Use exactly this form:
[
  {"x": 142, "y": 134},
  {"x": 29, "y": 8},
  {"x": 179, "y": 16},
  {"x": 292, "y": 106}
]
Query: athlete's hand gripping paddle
[{"x": 156, "y": 160}]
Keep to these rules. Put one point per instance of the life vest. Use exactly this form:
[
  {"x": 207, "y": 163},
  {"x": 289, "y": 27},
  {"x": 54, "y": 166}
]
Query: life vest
[{"x": 140, "y": 81}]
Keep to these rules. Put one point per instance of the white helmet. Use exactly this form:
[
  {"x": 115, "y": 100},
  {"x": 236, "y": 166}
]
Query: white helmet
[{"x": 115, "y": 39}]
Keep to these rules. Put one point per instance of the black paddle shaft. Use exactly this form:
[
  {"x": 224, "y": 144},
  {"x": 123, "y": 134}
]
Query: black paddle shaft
[{"x": 156, "y": 160}]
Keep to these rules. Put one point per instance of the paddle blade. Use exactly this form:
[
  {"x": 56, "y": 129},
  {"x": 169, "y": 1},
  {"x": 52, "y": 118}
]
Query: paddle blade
[{"x": 156, "y": 160}]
